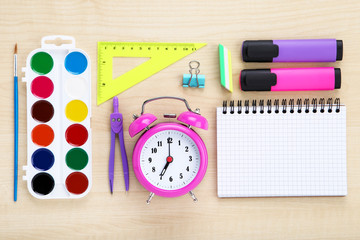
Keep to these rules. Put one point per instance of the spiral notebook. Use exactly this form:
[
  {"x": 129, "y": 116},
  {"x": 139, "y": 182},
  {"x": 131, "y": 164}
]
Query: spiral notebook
[{"x": 281, "y": 148}]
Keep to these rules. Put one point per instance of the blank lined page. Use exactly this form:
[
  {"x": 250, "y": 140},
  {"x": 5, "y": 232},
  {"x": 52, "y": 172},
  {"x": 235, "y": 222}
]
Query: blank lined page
[{"x": 281, "y": 154}]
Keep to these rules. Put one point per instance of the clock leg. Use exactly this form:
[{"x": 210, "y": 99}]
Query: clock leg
[
  {"x": 150, "y": 197},
  {"x": 193, "y": 196}
]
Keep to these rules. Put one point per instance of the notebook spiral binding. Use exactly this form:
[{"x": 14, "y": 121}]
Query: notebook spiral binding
[{"x": 286, "y": 105}]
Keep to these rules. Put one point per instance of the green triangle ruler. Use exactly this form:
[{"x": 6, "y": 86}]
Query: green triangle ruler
[{"x": 161, "y": 55}]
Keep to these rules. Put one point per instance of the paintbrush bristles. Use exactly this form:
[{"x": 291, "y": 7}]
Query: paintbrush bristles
[{"x": 15, "y": 61}]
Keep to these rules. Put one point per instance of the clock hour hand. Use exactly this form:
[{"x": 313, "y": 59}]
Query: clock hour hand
[
  {"x": 169, "y": 160},
  {"x": 164, "y": 169}
]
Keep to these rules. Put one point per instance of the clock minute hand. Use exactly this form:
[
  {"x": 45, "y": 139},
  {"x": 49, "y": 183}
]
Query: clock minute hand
[{"x": 169, "y": 148}]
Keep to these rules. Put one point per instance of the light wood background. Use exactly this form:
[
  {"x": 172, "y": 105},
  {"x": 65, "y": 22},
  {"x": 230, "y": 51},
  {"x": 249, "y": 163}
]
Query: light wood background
[{"x": 101, "y": 215}]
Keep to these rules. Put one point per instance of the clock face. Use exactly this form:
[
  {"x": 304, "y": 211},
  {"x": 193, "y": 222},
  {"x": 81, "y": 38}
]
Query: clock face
[{"x": 170, "y": 159}]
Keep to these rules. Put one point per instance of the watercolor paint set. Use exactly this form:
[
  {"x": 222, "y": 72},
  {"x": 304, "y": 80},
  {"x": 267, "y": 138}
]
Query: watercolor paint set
[{"x": 58, "y": 86}]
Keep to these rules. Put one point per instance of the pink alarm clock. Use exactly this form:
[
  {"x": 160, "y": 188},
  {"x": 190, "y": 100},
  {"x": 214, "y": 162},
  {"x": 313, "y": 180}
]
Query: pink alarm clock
[{"x": 169, "y": 159}]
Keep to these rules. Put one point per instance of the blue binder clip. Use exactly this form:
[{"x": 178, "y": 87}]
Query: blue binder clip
[{"x": 194, "y": 79}]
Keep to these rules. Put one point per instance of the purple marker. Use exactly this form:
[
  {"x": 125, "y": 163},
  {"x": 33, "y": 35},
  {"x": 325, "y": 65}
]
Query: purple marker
[
  {"x": 306, "y": 50},
  {"x": 290, "y": 79}
]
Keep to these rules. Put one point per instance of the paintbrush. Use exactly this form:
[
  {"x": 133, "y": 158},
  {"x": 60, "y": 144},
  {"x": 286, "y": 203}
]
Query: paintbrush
[{"x": 16, "y": 124}]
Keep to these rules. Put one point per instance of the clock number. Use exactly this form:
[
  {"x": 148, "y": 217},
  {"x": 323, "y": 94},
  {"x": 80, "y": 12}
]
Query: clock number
[
  {"x": 186, "y": 149},
  {"x": 159, "y": 143},
  {"x": 170, "y": 179},
  {"x": 169, "y": 140},
  {"x": 190, "y": 158},
  {"x": 153, "y": 169},
  {"x": 179, "y": 143},
  {"x": 153, "y": 150},
  {"x": 187, "y": 169},
  {"x": 181, "y": 176},
  {"x": 150, "y": 160}
]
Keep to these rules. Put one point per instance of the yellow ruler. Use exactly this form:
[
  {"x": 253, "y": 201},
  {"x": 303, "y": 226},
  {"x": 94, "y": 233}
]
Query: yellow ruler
[{"x": 161, "y": 55}]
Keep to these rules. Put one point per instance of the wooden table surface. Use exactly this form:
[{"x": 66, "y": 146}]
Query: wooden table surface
[{"x": 101, "y": 215}]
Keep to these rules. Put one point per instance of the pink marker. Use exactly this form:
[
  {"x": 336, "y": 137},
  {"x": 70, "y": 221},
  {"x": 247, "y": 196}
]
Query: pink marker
[{"x": 290, "y": 79}]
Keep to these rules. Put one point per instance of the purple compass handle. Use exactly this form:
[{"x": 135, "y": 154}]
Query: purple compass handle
[
  {"x": 116, "y": 104},
  {"x": 124, "y": 159},
  {"x": 111, "y": 161}
]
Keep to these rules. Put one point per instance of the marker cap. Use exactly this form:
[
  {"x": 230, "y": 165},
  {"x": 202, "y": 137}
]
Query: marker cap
[
  {"x": 337, "y": 78},
  {"x": 339, "y": 50},
  {"x": 259, "y": 51},
  {"x": 257, "y": 80}
]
